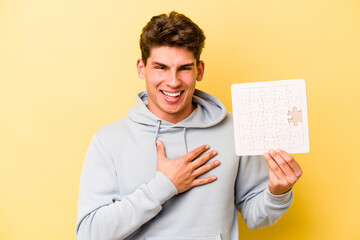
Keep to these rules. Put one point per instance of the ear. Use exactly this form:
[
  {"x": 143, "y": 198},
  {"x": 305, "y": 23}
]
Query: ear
[
  {"x": 201, "y": 68},
  {"x": 140, "y": 68}
]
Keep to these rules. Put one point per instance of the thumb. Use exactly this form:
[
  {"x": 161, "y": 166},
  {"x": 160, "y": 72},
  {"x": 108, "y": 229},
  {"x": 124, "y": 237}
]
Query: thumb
[{"x": 160, "y": 149}]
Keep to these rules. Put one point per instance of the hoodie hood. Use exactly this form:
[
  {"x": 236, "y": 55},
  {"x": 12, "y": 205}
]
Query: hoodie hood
[{"x": 209, "y": 111}]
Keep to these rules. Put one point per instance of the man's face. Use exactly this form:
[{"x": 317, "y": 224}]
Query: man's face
[{"x": 170, "y": 74}]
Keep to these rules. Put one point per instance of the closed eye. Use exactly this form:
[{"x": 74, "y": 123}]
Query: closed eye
[
  {"x": 160, "y": 66},
  {"x": 185, "y": 68}
]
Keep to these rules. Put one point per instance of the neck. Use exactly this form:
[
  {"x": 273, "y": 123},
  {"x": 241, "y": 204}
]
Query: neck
[{"x": 173, "y": 118}]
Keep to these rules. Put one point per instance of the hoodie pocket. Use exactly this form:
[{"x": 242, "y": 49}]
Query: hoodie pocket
[{"x": 214, "y": 237}]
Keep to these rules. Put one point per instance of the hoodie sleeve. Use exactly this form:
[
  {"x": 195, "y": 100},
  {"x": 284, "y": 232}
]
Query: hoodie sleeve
[
  {"x": 258, "y": 207},
  {"x": 102, "y": 212}
]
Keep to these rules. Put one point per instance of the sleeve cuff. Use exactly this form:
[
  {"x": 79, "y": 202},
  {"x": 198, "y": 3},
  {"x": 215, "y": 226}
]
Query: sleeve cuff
[
  {"x": 279, "y": 199},
  {"x": 162, "y": 188}
]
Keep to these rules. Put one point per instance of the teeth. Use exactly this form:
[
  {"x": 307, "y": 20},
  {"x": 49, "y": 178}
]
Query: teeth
[{"x": 172, "y": 94}]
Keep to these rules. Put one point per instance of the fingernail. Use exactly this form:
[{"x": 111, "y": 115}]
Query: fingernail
[
  {"x": 217, "y": 162},
  {"x": 214, "y": 152},
  {"x": 277, "y": 150},
  {"x": 213, "y": 177},
  {"x": 207, "y": 147}
]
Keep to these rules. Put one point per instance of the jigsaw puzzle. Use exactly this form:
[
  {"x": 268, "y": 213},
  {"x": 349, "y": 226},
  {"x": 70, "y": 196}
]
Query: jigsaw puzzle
[{"x": 270, "y": 115}]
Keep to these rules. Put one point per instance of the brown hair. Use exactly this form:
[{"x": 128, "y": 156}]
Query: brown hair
[{"x": 173, "y": 30}]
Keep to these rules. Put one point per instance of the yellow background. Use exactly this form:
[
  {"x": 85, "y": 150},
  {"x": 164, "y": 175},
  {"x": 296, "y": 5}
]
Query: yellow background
[{"x": 68, "y": 67}]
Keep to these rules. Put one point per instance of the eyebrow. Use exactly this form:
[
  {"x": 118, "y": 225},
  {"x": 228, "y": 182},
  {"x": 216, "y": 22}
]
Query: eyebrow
[
  {"x": 187, "y": 65},
  {"x": 160, "y": 64},
  {"x": 164, "y": 65}
]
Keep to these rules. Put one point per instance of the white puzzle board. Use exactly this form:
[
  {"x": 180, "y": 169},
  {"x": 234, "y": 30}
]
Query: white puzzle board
[{"x": 270, "y": 115}]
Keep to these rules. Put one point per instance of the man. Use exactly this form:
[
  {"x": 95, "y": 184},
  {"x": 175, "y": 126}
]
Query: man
[{"x": 152, "y": 174}]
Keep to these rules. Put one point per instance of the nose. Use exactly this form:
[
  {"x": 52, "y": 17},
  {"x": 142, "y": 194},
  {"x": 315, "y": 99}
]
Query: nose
[{"x": 173, "y": 80}]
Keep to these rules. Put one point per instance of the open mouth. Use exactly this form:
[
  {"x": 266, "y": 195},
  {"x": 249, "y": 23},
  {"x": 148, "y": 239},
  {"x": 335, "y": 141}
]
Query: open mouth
[{"x": 172, "y": 95}]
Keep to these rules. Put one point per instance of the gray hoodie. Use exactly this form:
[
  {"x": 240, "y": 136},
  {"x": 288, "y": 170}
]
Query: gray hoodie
[{"x": 122, "y": 195}]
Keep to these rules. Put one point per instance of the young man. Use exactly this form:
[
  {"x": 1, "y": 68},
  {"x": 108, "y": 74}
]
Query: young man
[{"x": 169, "y": 170}]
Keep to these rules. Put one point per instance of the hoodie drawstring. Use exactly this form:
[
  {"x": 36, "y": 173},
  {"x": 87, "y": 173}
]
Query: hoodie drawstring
[
  {"x": 157, "y": 130},
  {"x": 186, "y": 148}
]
